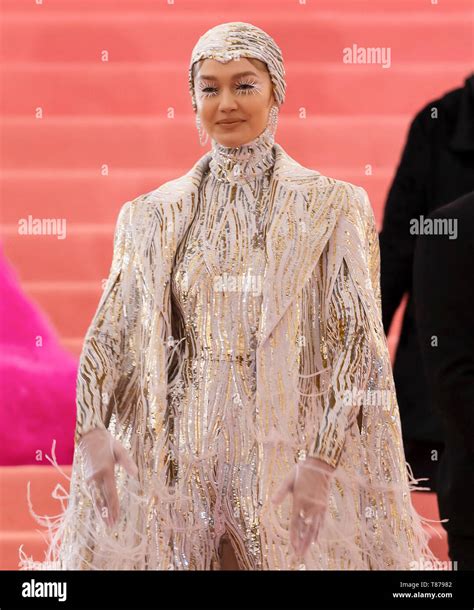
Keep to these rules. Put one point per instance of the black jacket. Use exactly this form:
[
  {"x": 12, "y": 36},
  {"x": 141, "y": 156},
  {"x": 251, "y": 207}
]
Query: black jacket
[
  {"x": 443, "y": 282},
  {"x": 437, "y": 166}
]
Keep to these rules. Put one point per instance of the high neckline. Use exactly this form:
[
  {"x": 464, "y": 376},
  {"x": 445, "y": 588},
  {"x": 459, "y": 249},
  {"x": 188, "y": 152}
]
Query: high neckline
[{"x": 240, "y": 164}]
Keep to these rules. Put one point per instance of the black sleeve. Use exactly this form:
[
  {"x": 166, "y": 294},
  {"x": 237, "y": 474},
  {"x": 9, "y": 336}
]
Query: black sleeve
[{"x": 406, "y": 200}]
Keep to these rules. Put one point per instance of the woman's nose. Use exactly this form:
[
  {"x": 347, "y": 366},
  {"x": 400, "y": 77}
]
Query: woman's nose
[{"x": 227, "y": 100}]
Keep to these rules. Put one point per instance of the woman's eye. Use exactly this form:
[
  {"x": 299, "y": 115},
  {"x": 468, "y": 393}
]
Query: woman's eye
[
  {"x": 209, "y": 90},
  {"x": 246, "y": 85}
]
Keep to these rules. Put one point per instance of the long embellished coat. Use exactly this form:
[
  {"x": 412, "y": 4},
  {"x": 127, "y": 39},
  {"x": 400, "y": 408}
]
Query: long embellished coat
[{"x": 321, "y": 238}]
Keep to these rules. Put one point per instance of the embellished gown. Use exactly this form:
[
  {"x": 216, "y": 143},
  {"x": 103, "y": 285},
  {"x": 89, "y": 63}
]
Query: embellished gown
[
  {"x": 216, "y": 303},
  {"x": 216, "y": 299}
]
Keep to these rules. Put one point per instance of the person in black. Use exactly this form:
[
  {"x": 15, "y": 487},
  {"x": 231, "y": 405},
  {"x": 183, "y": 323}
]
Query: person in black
[
  {"x": 436, "y": 167},
  {"x": 443, "y": 283}
]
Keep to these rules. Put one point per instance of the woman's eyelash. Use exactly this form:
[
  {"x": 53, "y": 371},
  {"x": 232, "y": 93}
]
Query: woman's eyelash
[
  {"x": 253, "y": 88},
  {"x": 253, "y": 84}
]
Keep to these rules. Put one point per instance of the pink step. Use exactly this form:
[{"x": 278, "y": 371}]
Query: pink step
[
  {"x": 13, "y": 485},
  {"x": 426, "y": 505},
  {"x": 366, "y": 6},
  {"x": 139, "y": 36},
  {"x": 84, "y": 256},
  {"x": 56, "y": 300},
  {"x": 33, "y": 542},
  {"x": 73, "y": 345}
]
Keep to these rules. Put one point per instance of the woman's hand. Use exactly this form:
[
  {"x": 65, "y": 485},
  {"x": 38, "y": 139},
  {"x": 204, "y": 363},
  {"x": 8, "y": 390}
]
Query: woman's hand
[
  {"x": 101, "y": 451},
  {"x": 309, "y": 483}
]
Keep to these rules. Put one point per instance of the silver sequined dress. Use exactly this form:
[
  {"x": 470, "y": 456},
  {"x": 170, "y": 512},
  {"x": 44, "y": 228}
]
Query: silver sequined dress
[{"x": 216, "y": 295}]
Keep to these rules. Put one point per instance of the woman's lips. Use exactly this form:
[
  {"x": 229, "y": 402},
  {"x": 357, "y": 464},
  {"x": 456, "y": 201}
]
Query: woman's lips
[{"x": 230, "y": 125}]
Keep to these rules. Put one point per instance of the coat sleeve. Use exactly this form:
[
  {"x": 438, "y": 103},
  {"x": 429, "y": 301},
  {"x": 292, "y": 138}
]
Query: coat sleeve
[
  {"x": 406, "y": 200},
  {"x": 100, "y": 364},
  {"x": 347, "y": 345}
]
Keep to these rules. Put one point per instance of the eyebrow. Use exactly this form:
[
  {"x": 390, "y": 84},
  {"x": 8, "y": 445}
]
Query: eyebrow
[{"x": 212, "y": 77}]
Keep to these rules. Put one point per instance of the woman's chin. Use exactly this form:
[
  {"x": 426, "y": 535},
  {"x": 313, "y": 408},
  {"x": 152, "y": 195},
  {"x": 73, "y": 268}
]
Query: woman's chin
[
  {"x": 231, "y": 140},
  {"x": 228, "y": 141}
]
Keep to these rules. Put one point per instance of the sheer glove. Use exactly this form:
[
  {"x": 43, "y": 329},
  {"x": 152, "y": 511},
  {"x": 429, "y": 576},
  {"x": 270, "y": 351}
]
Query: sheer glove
[
  {"x": 309, "y": 482},
  {"x": 101, "y": 451}
]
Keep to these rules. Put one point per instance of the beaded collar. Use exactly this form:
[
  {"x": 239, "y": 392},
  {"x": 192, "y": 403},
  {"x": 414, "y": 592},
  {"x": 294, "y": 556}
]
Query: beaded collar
[{"x": 242, "y": 163}]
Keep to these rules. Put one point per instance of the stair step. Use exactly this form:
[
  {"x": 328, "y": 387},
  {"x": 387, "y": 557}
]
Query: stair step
[
  {"x": 14, "y": 493},
  {"x": 429, "y": 36},
  {"x": 34, "y": 545},
  {"x": 150, "y": 6}
]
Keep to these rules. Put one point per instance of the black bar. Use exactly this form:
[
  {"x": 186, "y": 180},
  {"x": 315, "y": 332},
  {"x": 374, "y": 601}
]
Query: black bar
[{"x": 242, "y": 589}]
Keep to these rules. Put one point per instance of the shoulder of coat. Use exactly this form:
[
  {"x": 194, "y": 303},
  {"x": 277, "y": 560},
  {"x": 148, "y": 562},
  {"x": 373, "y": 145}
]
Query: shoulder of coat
[
  {"x": 164, "y": 195},
  {"x": 353, "y": 194},
  {"x": 299, "y": 175},
  {"x": 288, "y": 170},
  {"x": 172, "y": 191}
]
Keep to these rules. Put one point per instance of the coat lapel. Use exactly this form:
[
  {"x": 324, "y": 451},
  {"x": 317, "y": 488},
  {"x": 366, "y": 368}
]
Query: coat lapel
[
  {"x": 301, "y": 223},
  {"x": 304, "y": 213}
]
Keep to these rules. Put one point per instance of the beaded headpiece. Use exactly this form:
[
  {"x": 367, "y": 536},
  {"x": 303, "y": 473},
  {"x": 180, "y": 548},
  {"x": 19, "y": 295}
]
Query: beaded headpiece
[{"x": 235, "y": 40}]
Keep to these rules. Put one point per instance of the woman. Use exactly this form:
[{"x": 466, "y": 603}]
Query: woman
[{"x": 230, "y": 365}]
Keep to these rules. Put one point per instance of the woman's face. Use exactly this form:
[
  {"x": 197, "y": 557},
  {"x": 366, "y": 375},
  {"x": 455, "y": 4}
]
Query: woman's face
[{"x": 238, "y": 91}]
